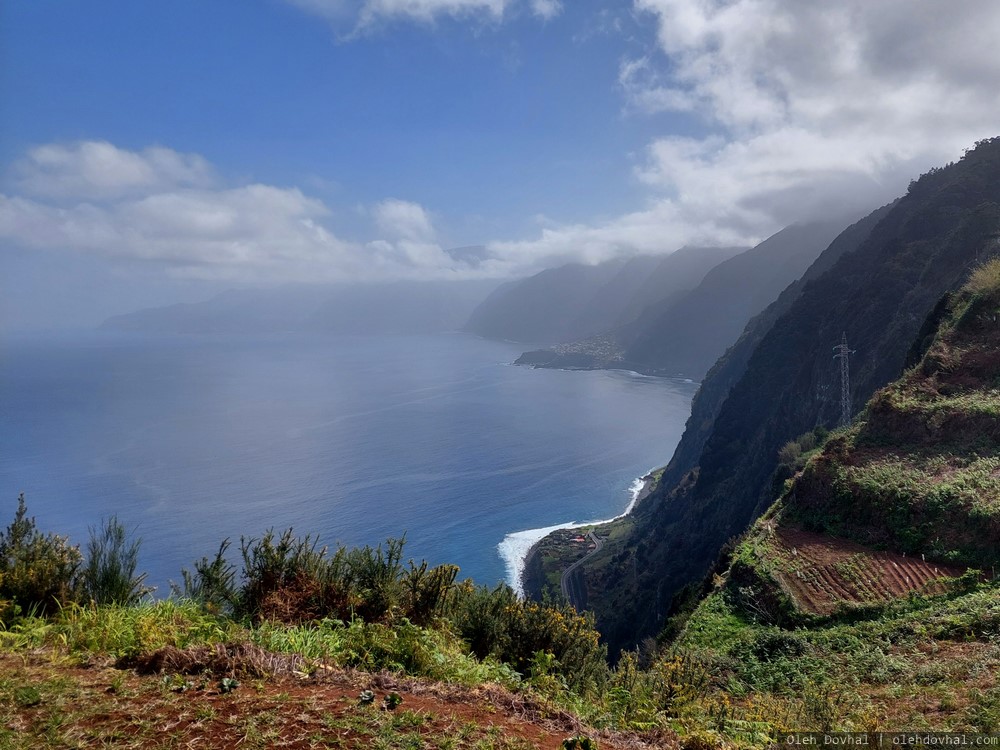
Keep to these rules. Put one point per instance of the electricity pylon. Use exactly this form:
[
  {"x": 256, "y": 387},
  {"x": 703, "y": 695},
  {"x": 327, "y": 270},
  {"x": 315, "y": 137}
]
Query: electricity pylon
[{"x": 844, "y": 354}]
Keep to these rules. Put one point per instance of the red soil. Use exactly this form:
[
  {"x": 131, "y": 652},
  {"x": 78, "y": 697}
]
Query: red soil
[
  {"x": 822, "y": 572},
  {"x": 102, "y": 704}
]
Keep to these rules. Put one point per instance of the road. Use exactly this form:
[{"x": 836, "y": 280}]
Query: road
[{"x": 566, "y": 584}]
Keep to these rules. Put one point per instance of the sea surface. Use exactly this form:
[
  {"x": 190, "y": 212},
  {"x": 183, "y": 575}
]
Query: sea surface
[{"x": 192, "y": 440}]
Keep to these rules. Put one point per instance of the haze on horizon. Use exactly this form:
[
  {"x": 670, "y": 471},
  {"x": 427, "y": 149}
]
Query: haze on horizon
[{"x": 160, "y": 153}]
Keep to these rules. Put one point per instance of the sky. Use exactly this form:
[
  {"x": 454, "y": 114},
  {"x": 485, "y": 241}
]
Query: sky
[{"x": 154, "y": 152}]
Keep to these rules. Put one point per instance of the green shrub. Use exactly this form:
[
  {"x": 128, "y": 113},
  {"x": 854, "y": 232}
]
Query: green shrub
[
  {"x": 480, "y": 615},
  {"x": 426, "y": 590},
  {"x": 374, "y": 574},
  {"x": 293, "y": 580},
  {"x": 37, "y": 571},
  {"x": 109, "y": 576},
  {"x": 212, "y": 584},
  {"x": 288, "y": 579},
  {"x": 494, "y": 622}
]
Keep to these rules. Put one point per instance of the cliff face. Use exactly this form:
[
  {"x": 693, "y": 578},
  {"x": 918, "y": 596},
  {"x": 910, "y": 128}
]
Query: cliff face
[
  {"x": 731, "y": 366},
  {"x": 880, "y": 294},
  {"x": 905, "y": 497},
  {"x": 874, "y": 574}
]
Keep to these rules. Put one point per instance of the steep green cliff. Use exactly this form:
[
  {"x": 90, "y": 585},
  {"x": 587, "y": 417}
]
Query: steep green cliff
[
  {"x": 879, "y": 294},
  {"x": 866, "y": 597}
]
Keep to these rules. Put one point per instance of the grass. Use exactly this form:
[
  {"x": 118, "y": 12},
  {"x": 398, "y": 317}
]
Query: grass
[
  {"x": 46, "y": 705},
  {"x": 985, "y": 279},
  {"x": 80, "y": 637},
  {"x": 885, "y": 671},
  {"x": 128, "y": 631}
]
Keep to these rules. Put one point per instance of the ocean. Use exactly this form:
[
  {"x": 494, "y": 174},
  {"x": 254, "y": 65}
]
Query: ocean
[{"x": 190, "y": 440}]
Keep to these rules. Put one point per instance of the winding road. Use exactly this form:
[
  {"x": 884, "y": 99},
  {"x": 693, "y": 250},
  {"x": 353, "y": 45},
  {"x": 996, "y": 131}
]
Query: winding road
[{"x": 566, "y": 583}]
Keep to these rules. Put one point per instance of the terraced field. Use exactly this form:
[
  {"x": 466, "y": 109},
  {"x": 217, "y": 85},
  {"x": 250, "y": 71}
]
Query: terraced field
[{"x": 821, "y": 572}]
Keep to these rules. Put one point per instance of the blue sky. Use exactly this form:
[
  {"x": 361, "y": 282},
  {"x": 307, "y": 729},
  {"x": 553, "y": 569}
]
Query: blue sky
[
  {"x": 157, "y": 151},
  {"x": 482, "y": 120}
]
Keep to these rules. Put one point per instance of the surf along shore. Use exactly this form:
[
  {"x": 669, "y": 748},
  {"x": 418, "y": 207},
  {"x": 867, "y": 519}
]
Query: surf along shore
[{"x": 536, "y": 558}]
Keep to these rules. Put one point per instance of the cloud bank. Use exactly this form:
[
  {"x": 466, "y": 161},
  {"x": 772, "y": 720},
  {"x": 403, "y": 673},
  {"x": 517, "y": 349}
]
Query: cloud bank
[
  {"x": 811, "y": 109},
  {"x": 98, "y": 169},
  {"x": 162, "y": 207}
]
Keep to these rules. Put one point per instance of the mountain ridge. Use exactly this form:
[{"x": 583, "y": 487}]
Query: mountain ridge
[
  {"x": 682, "y": 334},
  {"x": 575, "y": 301}
]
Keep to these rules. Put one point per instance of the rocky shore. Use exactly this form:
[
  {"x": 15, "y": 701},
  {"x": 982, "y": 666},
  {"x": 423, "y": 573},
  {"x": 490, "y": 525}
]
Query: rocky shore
[{"x": 552, "y": 554}]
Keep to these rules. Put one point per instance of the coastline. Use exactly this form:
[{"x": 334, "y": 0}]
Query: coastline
[{"x": 517, "y": 546}]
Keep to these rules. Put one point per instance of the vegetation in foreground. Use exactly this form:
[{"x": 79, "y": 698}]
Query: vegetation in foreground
[{"x": 296, "y": 617}]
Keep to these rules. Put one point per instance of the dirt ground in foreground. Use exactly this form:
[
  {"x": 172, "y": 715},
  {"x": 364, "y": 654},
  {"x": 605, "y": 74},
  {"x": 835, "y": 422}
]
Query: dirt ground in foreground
[{"x": 45, "y": 702}]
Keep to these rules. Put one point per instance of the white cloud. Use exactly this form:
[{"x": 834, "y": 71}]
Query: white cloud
[
  {"x": 367, "y": 13},
  {"x": 823, "y": 97},
  {"x": 427, "y": 10},
  {"x": 546, "y": 9},
  {"x": 400, "y": 219},
  {"x": 661, "y": 227},
  {"x": 812, "y": 109},
  {"x": 97, "y": 169},
  {"x": 647, "y": 91},
  {"x": 143, "y": 208}
]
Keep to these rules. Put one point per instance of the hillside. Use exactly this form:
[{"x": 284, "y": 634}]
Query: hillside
[
  {"x": 876, "y": 568},
  {"x": 731, "y": 366},
  {"x": 575, "y": 301},
  {"x": 683, "y": 333},
  {"x": 879, "y": 294}
]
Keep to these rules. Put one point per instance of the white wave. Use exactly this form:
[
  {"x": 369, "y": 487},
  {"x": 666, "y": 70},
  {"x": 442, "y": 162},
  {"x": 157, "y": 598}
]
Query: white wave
[
  {"x": 634, "y": 490},
  {"x": 515, "y": 546}
]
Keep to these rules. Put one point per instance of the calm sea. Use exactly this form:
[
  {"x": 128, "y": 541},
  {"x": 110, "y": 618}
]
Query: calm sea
[{"x": 191, "y": 440}]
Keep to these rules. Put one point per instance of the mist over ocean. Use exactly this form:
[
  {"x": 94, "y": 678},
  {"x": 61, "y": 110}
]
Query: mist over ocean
[{"x": 191, "y": 440}]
